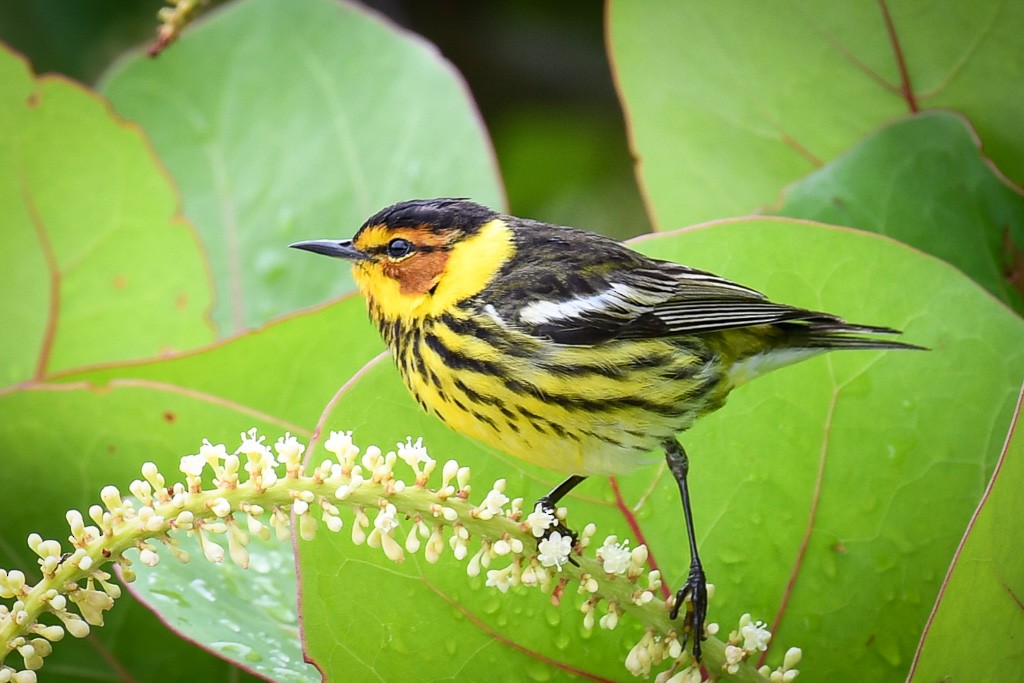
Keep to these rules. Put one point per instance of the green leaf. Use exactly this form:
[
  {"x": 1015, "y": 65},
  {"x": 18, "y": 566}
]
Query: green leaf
[
  {"x": 100, "y": 266},
  {"x": 981, "y": 597},
  {"x": 96, "y": 427},
  {"x": 298, "y": 120},
  {"x": 61, "y": 445},
  {"x": 66, "y": 438},
  {"x": 247, "y": 615},
  {"x": 308, "y": 357},
  {"x": 881, "y": 490},
  {"x": 111, "y": 419},
  {"x": 133, "y": 644},
  {"x": 728, "y": 102},
  {"x": 829, "y": 496},
  {"x": 923, "y": 181}
]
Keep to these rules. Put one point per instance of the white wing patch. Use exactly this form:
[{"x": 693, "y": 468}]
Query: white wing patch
[
  {"x": 618, "y": 298},
  {"x": 490, "y": 310}
]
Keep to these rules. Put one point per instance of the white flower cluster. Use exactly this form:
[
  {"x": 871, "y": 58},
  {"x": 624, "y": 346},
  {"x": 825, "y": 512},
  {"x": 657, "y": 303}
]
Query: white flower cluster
[
  {"x": 753, "y": 637},
  {"x": 227, "y": 498},
  {"x": 224, "y": 500},
  {"x": 653, "y": 648}
]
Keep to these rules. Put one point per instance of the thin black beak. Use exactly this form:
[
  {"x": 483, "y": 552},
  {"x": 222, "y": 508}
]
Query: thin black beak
[{"x": 336, "y": 248}]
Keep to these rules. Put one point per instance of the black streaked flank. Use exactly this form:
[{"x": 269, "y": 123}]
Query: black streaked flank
[
  {"x": 558, "y": 429},
  {"x": 603, "y": 437},
  {"x": 589, "y": 405},
  {"x": 476, "y": 397},
  {"x": 458, "y": 361},
  {"x": 486, "y": 420},
  {"x": 466, "y": 325},
  {"x": 577, "y": 369},
  {"x": 528, "y": 414}
]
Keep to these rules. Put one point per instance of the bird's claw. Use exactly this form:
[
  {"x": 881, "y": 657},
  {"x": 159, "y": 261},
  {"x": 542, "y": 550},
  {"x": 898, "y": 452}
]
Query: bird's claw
[
  {"x": 547, "y": 505},
  {"x": 695, "y": 588}
]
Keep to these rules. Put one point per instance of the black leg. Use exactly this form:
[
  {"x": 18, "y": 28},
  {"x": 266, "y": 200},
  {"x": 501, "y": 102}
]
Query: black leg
[
  {"x": 696, "y": 586},
  {"x": 549, "y": 501}
]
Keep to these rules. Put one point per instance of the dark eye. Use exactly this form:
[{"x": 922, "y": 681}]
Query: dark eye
[{"x": 398, "y": 247}]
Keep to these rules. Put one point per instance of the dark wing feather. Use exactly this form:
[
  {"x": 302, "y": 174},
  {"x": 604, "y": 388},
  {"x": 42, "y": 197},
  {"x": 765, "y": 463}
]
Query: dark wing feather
[
  {"x": 604, "y": 290},
  {"x": 662, "y": 299}
]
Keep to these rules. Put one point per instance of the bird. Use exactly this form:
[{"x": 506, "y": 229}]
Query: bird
[{"x": 568, "y": 349}]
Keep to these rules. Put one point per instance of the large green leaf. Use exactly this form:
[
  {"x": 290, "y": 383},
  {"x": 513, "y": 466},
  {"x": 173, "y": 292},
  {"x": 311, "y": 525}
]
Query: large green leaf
[
  {"x": 97, "y": 426},
  {"x": 98, "y": 267},
  {"x": 881, "y": 490},
  {"x": 829, "y": 496},
  {"x": 294, "y": 120},
  {"x": 285, "y": 372},
  {"x": 923, "y": 181},
  {"x": 60, "y": 446},
  {"x": 101, "y": 269},
  {"x": 246, "y": 615},
  {"x": 728, "y": 102},
  {"x": 98, "y": 263},
  {"x": 983, "y": 592}
]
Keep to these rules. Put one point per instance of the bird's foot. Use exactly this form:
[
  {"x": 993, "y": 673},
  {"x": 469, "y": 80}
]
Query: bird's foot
[
  {"x": 548, "y": 506},
  {"x": 696, "y": 589}
]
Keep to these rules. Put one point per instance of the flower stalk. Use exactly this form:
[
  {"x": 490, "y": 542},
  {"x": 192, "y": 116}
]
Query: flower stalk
[
  {"x": 226, "y": 498},
  {"x": 173, "y": 20}
]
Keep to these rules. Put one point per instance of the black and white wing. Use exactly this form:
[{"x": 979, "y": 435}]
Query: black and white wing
[
  {"x": 601, "y": 290},
  {"x": 662, "y": 301}
]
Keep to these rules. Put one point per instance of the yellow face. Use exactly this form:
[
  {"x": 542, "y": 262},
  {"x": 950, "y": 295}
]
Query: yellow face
[{"x": 412, "y": 272}]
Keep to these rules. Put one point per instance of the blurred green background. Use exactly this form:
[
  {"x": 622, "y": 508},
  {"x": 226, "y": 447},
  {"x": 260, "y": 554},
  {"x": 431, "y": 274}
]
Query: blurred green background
[{"x": 538, "y": 71}]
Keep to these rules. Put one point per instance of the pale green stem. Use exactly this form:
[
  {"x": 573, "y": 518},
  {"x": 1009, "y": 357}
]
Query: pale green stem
[{"x": 413, "y": 501}]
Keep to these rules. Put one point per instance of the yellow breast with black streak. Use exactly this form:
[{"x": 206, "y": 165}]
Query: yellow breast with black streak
[{"x": 573, "y": 409}]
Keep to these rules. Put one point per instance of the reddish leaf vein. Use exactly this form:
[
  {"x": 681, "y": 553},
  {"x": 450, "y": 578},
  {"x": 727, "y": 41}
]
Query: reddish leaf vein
[
  {"x": 634, "y": 527},
  {"x": 906, "y": 89},
  {"x": 54, "y": 271},
  {"x": 811, "y": 520},
  {"x": 155, "y": 385},
  {"x": 1014, "y": 597},
  {"x": 332, "y": 404},
  {"x": 501, "y": 638}
]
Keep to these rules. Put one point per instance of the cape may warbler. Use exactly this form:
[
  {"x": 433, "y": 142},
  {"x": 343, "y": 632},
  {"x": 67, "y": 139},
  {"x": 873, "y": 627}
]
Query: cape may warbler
[{"x": 568, "y": 349}]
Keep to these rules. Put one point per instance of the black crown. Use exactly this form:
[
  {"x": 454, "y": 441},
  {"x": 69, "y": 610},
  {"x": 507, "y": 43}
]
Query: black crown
[{"x": 440, "y": 214}]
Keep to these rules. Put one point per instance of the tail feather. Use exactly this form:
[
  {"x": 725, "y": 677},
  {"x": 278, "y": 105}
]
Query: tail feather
[
  {"x": 809, "y": 337},
  {"x": 842, "y": 340},
  {"x": 836, "y": 333}
]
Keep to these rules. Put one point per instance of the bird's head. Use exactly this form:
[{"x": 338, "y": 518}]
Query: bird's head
[{"x": 420, "y": 257}]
